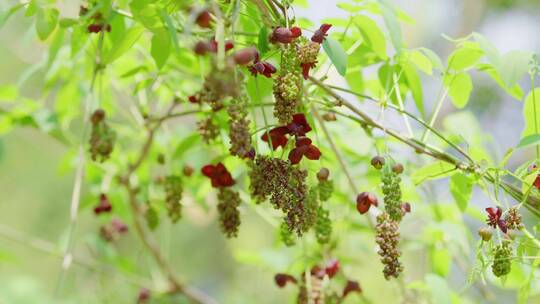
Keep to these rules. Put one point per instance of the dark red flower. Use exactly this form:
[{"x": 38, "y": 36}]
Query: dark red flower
[
  {"x": 119, "y": 226},
  {"x": 304, "y": 148},
  {"x": 364, "y": 201},
  {"x": 285, "y": 35},
  {"x": 494, "y": 218},
  {"x": 332, "y": 268},
  {"x": 104, "y": 205},
  {"x": 320, "y": 34},
  {"x": 219, "y": 175},
  {"x": 204, "y": 19},
  {"x": 144, "y": 296},
  {"x": 282, "y": 279},
  {"x": 352, "y": 286},
  {"x": 193, "y": 99},
  {"x": 263, "y": 68},
  {"x": 406, "y": 207},
  {"x": 317, "y": 271},
  {"x": 277, "y": 135},
  {"x": 211, "y": 46},
  {"x": 98, "y": 27},
  {"x": 299, "y": 125}
]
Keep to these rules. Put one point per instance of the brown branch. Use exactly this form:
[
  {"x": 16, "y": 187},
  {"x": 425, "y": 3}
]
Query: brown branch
[
  {"x": 192, "y": 294},
  {"x": 532, "y": 202}
]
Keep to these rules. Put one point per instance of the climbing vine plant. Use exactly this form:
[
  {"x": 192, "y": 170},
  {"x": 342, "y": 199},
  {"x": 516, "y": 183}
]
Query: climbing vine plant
[{"x": 323, "y": 131}]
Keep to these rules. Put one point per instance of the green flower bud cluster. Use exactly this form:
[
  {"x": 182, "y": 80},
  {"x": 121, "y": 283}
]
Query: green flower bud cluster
[
  {"x": 102, "y": 137},
  {"x": 287, "y": 237},
  {"x": 392, "y": 193},
  {"x": 240, "y": 137},
  {"x": 323, "y": 226},
  {"x": 229, "y": 215},
  {"x": 502, "y": 263},
  {"x": 152, "y": 217},
  {"x": 326, "y": 189},
  {"x": 173, "y": 195},
  {"x": 288, "y": 86}
]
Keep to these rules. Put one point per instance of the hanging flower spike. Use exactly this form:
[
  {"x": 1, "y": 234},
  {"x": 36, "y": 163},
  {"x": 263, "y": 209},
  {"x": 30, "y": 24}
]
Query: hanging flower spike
[
  {"x": 299, "y": 125},
  {"x": 263, "y": 68},
  {"x": 282, "y": 279},
  {"x": 320, "y": 34},
  {"x": 277, "y": 135},
  {"x": 285, "y": 35},
  {"x": 494, "y": 218},
  {"x": 219, "y": 175},
  {"x": 304, "y": 148},
  {"x": 352, "y": 286}
]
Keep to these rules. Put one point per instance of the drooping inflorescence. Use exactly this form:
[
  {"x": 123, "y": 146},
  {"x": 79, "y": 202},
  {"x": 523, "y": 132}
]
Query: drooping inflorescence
[
  {"x": 102, "y": 137},
  {"x": 387, "y": 237}
]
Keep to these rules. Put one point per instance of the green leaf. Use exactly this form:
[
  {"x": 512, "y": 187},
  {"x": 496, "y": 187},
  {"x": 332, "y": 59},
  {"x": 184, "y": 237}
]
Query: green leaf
[
  {"x": 531, "y": 113},
  {"x": 464, "y": 57},
  {"x": 161, "y": 47},
  {"x": 432, "y": 171},
  {"x": 391, "y": 21},
  {"x": 513, "y": 66},
  {"x": 351, "y": 8},
  {"x": 186, "y": 144},
  {"x": 337, "y": 55},
  {"x": 415, "y": 85},
  {"x": 8, "y": 92},
  {"x": 433, "y": 57},
  {"x": 124, "y": 44},
  {"x": 46, "y": 21},
  {"x": 489, "y": 49},
  {"x": 440, "y": 261},
  {"x": 170, "y": 28},
  {"x": 4, "y": 16},
  {"x": 460, "y": 87},
  {"x": 67, "y": 22},
  {"x": 421, "y": 61},
  {"x": 372, "y": 35},
  {"x": 529, "y": 140},
  {"x": 262, "y": 43},
  {"x": 461, "y": 188},
  {"x": 515, "y": 91}
]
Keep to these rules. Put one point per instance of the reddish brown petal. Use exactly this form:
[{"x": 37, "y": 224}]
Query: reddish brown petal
[
  {"x": 208, "y": 170},
  {"x": 204, "y": 19},
  {"x": 303, "y": 141},
  {"x": 305, "y": 70},
  {"x": 491, "y": 211},
  {"x": 295, "y": 156},
  {"x": 282, "y": 35},
  {"x": 332, "y": 268},
  {"x": 228, "y": 45},
  {"x": 299, "y": 125},
  {"x": 502, "y": 225},
  {"x": 296, "y": 32},
  {"x": 537, "y": 182},
  {"x": 282, "y": 279},
  {"x": 352, "y": 286},
  {"x": 312, "y": 153},
  {"x": 245, "y": 56},
  {"x": 325, "y": 27}
]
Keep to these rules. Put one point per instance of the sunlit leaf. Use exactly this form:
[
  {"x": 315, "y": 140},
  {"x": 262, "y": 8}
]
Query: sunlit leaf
[{"x": 337, "y": 55}]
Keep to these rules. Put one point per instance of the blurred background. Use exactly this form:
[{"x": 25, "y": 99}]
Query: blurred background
[{"x": 36, "y": 179}]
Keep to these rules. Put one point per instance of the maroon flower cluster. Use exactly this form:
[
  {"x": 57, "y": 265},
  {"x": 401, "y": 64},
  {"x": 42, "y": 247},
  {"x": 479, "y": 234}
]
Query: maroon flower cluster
[
  {"x": 365, "y": 200},
  {"x": 495, "y": 218},
  {"x": 104, "y": 205},
  {"x": 113, "y": 230},
  {"x": 297, "y": 128},
  {"x": 219, "y": 175},
  {"x": 97, "y": 21}
]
